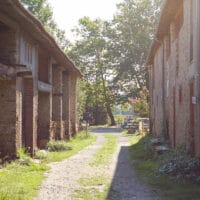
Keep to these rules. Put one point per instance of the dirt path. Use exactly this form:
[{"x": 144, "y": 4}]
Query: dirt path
[{"x": 63, "y": 177}]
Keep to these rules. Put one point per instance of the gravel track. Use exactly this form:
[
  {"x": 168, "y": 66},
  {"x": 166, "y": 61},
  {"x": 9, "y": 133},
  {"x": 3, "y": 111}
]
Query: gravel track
[{"x": 62, "y": 179}]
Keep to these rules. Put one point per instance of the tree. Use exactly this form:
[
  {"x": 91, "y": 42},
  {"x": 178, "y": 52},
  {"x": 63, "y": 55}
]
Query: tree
[
  {"x": 42, "y": 10},
  {"x": 91, "y": 55},
  {"x": 130, "y": 34}
]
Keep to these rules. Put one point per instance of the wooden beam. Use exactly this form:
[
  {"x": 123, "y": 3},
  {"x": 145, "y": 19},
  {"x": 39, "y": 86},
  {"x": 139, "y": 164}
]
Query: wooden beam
[{"x": 44, "y": 87}]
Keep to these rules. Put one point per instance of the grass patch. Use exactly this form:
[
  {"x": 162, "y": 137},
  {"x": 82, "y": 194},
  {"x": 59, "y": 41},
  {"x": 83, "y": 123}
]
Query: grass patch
[
  {"x": 78, "y": 143},
  {"x": 93, "y": 188},
  {"x": 20, "y": 182},
  {"x": 93, "y": 181},
  {"x": 146, "y": 165},
  {"x": 104, "y": 154},
  {"x": 21, "y": 179}
]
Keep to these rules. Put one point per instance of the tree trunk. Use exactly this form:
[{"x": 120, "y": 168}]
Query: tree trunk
[{"x": 110, "y": 114}]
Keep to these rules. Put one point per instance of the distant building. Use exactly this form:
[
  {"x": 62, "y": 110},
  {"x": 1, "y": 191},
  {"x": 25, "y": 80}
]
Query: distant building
[
  {"x": 37, "y": 83},
  {"x": 174, "y": 69}
]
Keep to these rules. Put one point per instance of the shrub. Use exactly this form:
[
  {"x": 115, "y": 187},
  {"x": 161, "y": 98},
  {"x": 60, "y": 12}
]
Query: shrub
[
  {"x": 24, "y": 158},
  {"x": 41, "y": 154},
  {"x": 179, "y": 164},
  {"x": 58, "y": 146}
]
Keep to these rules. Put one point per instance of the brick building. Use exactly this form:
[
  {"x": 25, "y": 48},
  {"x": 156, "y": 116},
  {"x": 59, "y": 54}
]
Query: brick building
[
  {"x": 37, "y": 83},
  {"x": 174, "y": 69}
]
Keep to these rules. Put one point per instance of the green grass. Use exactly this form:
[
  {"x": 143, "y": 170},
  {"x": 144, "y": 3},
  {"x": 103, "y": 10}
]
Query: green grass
[
  {"x": 93, "y": 181},
  {"x": 78, "y": 143},
  {"x": 104, "y": 154},
  {"x": 21, "y": 179},
  {"x": 146, "y": 166},
  {"x": 21, "y": 182},
  {"x": 91, "y": 194}
]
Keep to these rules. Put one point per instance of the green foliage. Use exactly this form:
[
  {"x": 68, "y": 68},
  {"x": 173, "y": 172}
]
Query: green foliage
[
  {"x": 24, "y": 158},
  {"x": 129, "y": 37},
  {"x": 119, "y": 119},
  {"x": 41, "y": 154},
  {"x": 58, "y": 145},
  {"x": 141, "y": 107},
  {"x": 90, "y": 54}
]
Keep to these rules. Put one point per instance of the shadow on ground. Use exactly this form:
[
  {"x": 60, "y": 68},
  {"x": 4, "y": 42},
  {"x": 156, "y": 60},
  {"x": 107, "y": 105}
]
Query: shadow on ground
[
  {"x": 124, "y": 184},
  {"x": 106, "y": 130}
]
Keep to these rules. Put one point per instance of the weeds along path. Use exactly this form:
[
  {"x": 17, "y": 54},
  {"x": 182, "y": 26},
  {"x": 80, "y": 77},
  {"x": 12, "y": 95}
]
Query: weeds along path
[{"x": 61, "y": 181}]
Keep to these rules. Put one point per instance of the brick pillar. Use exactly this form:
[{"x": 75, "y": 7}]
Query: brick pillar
[
  {"x": 73, "y": 120},
  {"x": 66, "y": 104},
  {"x": 57, "y": 102},
  {"x": 30, "y": 114},
  {"x": 19, "y": 104},
  {"x": 8, "y": 118}
]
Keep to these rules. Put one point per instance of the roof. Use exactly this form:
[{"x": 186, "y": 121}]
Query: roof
[
  {"x": 168, "y": 12},
  {"x": 15, "y": 10}
]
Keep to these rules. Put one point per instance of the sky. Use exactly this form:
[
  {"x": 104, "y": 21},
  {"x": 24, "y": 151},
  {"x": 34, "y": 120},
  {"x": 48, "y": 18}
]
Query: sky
[{"x": 68, "y": 12}]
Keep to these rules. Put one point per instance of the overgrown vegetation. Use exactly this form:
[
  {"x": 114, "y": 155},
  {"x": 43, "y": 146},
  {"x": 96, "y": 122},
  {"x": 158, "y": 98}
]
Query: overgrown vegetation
[
  {"x": 54, "y": 145},
  {"x": 76, "y": 144},
  {"x": 21, "y": 179},
  {"x": 155, "y": 170}
]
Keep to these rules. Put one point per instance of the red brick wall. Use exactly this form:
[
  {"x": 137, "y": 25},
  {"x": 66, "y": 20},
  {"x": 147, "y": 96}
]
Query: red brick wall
[
  {"x": 43, "y": 119},
  {"x": 57, "y": 102},
  {"x": 7, "y": 118},
  {"x": 66, "y": 104}
]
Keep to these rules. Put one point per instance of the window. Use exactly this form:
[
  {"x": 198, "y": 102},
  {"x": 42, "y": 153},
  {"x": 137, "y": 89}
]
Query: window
[{"x": 27, "y": 53}]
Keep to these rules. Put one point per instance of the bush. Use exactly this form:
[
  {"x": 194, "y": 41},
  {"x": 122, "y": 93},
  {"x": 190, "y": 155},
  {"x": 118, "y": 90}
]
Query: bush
[
  {"x": 58, "y": 146},
  {"x": 41, "y": 154},
  {"x": 24, "y": 158},
  {"x": 179, "y": 164}
]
